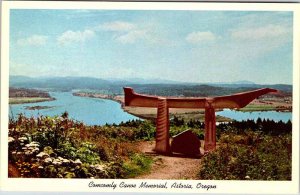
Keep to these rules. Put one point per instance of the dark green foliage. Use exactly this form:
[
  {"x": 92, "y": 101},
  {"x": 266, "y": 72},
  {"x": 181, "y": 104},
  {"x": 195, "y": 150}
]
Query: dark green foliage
[
  {"x": 251, "y": 156},
  {"x": 269, "y": 127},
  {"x": 196, "y": 90},
  {"x": 131, "y": 130},
  {"x": 21, "y": 92}
]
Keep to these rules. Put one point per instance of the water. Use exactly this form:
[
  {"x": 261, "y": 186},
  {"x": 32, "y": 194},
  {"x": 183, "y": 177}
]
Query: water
[
  {"x": 95, "y": 111},
  {"x": 272, "y": 115},
  {"x": 91, "y": 111}
]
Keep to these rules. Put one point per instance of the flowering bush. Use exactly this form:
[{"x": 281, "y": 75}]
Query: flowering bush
[{"x": 56, "y": 147}]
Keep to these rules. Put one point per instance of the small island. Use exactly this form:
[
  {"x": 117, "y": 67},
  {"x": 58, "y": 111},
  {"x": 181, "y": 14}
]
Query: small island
[
  {"x": 22, "y": 96},
  {"x": 37, "y": 107}
]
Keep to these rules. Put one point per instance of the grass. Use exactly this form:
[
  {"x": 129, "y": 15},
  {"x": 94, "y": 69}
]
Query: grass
[
  {"x": 23, "y": 100},
  {"x": 257, "y": 107},
  {"x": 137, "y": 165}
]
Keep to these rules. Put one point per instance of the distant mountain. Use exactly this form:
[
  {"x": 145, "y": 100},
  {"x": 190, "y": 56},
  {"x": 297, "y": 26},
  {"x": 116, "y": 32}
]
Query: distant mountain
[
  {"x": 281, "y": 87},
  {"x": 59, "y": 83},
  {"x": 159, "y": 86},
  {"x": 143, "y": 81},
  {"x": 243, "y": 82},
  {"x": 19, "y": 79}
]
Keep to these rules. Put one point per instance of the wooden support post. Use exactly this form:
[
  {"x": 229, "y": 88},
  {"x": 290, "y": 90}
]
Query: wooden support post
[
  {"x": 162, "y": 127},
  {"x": 210, "y": 128}
]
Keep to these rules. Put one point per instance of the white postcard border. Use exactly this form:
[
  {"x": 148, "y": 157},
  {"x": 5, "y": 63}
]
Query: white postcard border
[{"x": 79, "y": 185}]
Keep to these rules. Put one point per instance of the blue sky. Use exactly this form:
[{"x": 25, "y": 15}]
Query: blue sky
[{"x": 189, "y": 46}]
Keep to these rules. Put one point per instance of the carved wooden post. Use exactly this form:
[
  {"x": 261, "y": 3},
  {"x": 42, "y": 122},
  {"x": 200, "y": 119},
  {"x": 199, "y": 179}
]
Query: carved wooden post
[
  {"x": 162, "y": 127},
  {"x": 210, "y": 127}
]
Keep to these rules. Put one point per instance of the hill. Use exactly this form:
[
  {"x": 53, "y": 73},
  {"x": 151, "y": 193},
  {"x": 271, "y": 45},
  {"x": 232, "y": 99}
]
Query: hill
[{"x": 148, "y": 86}]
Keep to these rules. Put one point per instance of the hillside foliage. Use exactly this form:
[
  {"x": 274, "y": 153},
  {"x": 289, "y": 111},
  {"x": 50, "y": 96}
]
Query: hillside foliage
[{"x": 58, "y": 147}]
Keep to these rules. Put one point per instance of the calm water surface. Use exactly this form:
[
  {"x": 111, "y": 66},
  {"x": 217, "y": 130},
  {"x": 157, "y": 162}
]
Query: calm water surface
[
  {"x": 91, "y": 111},
  {"x": 95, "y": 111},
  {"x": 272, "y": 115}
]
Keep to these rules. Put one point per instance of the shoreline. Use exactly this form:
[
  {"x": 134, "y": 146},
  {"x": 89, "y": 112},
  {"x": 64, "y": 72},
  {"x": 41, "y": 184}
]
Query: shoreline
[
  {"x": 186, "y": 114},
  {"x": 28, "y": 100},
  {"x": 118, "y": 99},
  {"x": 255, "y": 106}
]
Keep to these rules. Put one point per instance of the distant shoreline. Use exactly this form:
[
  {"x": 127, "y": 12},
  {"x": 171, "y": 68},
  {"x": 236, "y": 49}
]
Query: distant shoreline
[
  {"x": 27, "y": 100},
  {"x": 119, "y": 98},
  {"x": 255, "y": 105},
  {"x": 23, "y": 96},
  {"x": 150, "y": 113}
]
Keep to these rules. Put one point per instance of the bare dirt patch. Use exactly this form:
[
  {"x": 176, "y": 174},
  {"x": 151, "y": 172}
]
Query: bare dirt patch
[{"x": 170, "y": 167}]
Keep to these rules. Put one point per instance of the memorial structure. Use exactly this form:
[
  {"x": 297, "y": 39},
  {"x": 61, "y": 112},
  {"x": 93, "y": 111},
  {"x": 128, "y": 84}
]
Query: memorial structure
[{"x": 163, "y": 104}]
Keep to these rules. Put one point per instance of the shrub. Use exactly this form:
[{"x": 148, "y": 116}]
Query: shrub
[{"x": 252, "y": 156}]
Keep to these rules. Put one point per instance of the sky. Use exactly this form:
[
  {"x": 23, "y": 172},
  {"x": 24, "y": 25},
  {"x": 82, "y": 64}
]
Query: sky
[{"x": 187, "y": 46}]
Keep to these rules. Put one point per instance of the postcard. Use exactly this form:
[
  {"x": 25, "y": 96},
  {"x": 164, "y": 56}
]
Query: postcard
[{"x": 150, "y": 97}]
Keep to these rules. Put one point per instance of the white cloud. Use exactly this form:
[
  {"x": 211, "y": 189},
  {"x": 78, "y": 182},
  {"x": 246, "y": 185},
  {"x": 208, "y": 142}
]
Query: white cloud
[
  {"x": 127, "y": 32},
  {"x": 132, "y": 36},
  {"x": 117, "y": 26},
  {"x": 34, "y": 40},
  {"x": 198, "y": 37},
  {"x": 75, "y": 36},
  {"x": 264, "y": 32}
]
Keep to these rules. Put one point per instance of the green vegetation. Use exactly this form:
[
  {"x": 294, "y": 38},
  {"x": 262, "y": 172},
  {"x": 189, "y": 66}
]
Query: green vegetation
[
  {"x": 246, "y": 150},
  {"x": 263, "y": 107},
  {"x": 22, "y": 92},
  {"x": 249, "y": 156},
  {"x": 57, "y": 147},
  {"x": 138, "y": 164},
  {"x": 22, "y": 96},
  {"x": 24, "y": 100}
]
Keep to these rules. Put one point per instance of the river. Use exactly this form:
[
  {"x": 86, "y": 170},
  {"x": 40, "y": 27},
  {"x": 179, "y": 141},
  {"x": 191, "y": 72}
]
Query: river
[
  {"x": 91, "y": 111},
  {"x": 95, "y": 111}
]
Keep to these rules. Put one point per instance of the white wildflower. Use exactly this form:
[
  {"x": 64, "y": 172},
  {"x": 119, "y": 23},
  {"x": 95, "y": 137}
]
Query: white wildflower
[
  {"x": 10, "y": 139},
  {"x": 34, "y": 144},
  {"x": 65, "y": 161},
  {"x": 78, "y": 162},
  {"x": 22, "y": 139},
  {"x": 56, "y": 162},
  {"x": 42, "y": 154},
  {"x": 48, "y": 160},
  {"x": 99, "y": 167}
]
